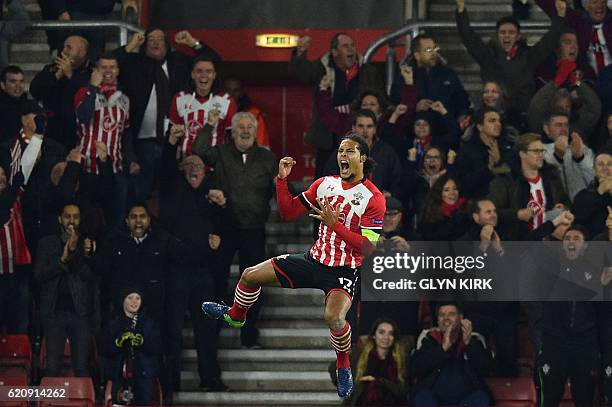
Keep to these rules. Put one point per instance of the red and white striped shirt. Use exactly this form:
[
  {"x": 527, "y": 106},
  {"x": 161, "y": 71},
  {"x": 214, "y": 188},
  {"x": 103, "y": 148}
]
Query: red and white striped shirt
[
  {"x": 111, "y": 118},
  {"x": 362, "y": 206},
  {"x": 13, "y": 247},
  {"x": 191, "y": 111},
  {"x": 537, "y": 202}
]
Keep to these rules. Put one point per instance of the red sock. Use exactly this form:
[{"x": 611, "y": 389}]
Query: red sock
[
  {"x": 244, "y": 297},
  {"x": 341, "y": 342}
]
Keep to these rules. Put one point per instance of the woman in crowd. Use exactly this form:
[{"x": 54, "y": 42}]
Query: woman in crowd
[
  {"x": 443, "y": 215},
  {"x": 380, "y": 368}
]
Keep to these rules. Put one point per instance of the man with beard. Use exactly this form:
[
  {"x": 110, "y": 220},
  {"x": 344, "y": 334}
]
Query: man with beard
[
  {"x": 351, "y": 210},
  {"x": 245, "y": 173},
  {"x": 191, "y": 211},
  {"x": 450, "y": 362},
  {"x": 12, "y": 98},
  {"x": 66, "y": 302},
  {"x": 525, "y": 193}
]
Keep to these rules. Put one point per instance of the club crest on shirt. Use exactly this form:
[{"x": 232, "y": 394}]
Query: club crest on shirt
[
  {"x": 193, "y": 126},
  {"x": 609, "y": 371},
  {"x": 108, "y": 124},
  {"x": 356, "y": 198},
  {"x": 546, "y": 369}
]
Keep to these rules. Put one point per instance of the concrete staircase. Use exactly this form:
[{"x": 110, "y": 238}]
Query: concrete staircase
[{"x": 292, "y": 367}]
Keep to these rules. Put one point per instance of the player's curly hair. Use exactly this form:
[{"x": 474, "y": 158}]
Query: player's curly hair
[{"x": 362, "y": 145}]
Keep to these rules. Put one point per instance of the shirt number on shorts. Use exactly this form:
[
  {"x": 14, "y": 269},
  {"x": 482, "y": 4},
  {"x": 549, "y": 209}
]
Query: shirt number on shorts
[{"x": 347, "y": 284}]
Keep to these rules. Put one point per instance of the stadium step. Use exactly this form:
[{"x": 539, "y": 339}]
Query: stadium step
[{"x": 264, "y": 398}]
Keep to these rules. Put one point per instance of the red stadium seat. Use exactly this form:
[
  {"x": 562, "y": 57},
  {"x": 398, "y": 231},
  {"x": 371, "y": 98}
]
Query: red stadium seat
[
  {"x": 80, "y": 391},
  {"x": 16, "y": 350},
  {"x": 13, "y": 376},
  {"x": 108, "y": 399},
  {"x": 517, "y": 392}
]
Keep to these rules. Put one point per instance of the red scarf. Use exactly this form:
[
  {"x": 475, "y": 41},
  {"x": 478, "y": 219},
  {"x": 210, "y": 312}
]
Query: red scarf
[
  {"x": 107, "y": 89},
  {"x": 386, "y": 368},
  {"x": 600, "y": 60},
  {"x": 352, "y": 72},
  {"x": 512, "y": 53},
  {"x": 448, "y": 209}
]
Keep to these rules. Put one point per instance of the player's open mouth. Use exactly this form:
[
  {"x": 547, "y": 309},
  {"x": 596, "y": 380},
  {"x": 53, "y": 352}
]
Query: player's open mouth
[
  {"x": 571, "y": 248},
  {"x": 344, "y": 166}
]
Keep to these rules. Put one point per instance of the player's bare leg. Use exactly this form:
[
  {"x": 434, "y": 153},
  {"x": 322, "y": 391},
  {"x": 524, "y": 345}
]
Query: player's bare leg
[
  {"x": 337, "y": 305},
  {"x": 246, "y": 294}
]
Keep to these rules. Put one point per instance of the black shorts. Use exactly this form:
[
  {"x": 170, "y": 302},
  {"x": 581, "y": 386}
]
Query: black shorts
[{"x": 301, "y": 271}]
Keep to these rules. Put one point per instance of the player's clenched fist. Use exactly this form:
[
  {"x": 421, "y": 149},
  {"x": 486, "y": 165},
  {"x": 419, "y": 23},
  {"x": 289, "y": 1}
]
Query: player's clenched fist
[{"x": 284, "y": 167}]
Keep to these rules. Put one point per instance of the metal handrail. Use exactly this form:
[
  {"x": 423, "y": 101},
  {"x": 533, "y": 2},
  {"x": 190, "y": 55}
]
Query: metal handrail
[
  {"x": 413, "y": 28},
  {"x": 121, "y": 26}
]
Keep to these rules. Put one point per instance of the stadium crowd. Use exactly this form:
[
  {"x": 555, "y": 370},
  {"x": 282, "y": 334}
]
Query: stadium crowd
[{"x": 130, "y": 181}]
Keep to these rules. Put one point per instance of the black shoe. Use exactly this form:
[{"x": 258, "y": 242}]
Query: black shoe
[
  {"x": 253, "y": 346},
  {"x": 214, "y": 384}
]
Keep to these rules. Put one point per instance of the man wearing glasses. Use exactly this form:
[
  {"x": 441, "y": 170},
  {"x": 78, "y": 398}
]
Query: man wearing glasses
[
  {"x": 529, "y": 195},
  {"x": 436, "y": 82}
]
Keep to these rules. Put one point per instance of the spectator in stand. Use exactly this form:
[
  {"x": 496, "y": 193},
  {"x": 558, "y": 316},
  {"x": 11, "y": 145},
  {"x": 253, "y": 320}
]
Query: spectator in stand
[
  {"x": 103, "y": 116},
  {"x": 570, "y": 346},
  {"x": 192, "y": 212},
  {"x": 14, "y": 252},
  {"x": 603, "y": 87},
  {"x": 11, "y": 27},
  {"x": 34, "y": 154},
  {"x": 593, "y": 27},
  {"x": 569, "y": 154},
  {"x": 150, "y": 75},
  {"x": 436, "y": 82},
  {"x": 66, "y": 302},
  {"x": 74, "y": 10},
  {"x": 450, "y": 362},
  {"x": 132, "y": 343},
  {"x": 433, "y": 125},
  {"x": 578, "y": 101},
  {"x": 495, "y": 96},
  {"x": 492, "y": 319},
  {"x": 190, "y": 110},
  {"x": 567, "y": 50},
  {"x": 526, "y": 191},
  {"x": 417, "y": 180},
  {"x": 380, "y": 368},
  {"x": 233, "y": 87},
  {"x": 395, "y": 237},
  {"x": 245, "y": 173},
  {"x": 590, "y": 205},
  {"x": 386, "y": 174},
  {"x": 12, "y": 98},
  {"x": 139, "y": 255},
  {"x": 56, "y": 85},
  {"x": 483, "y": 156},
  {"x": 443, "y": 215},
  {"x": 508, "y": 59},
  {"x": 349, "y": 76}
]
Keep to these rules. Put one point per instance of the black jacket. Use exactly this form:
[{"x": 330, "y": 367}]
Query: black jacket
[
  {"x": 10, "y": 115},
  {"x": 57, "y": 97},
  {"x": 441, "y": 83},
  {"x": 49, "y": 271},
  {"x": 590, "y": 209},
  {"x": 146, "y": 357},
  {"x": 248, "y": 186},
  {"x": 96, "y": 7},
  {"x": 186, "y": 213},
  {"x": 429, "y": 360},
  {"x": 472, "y": 165},
  {"x": 122, "y": 262}
]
